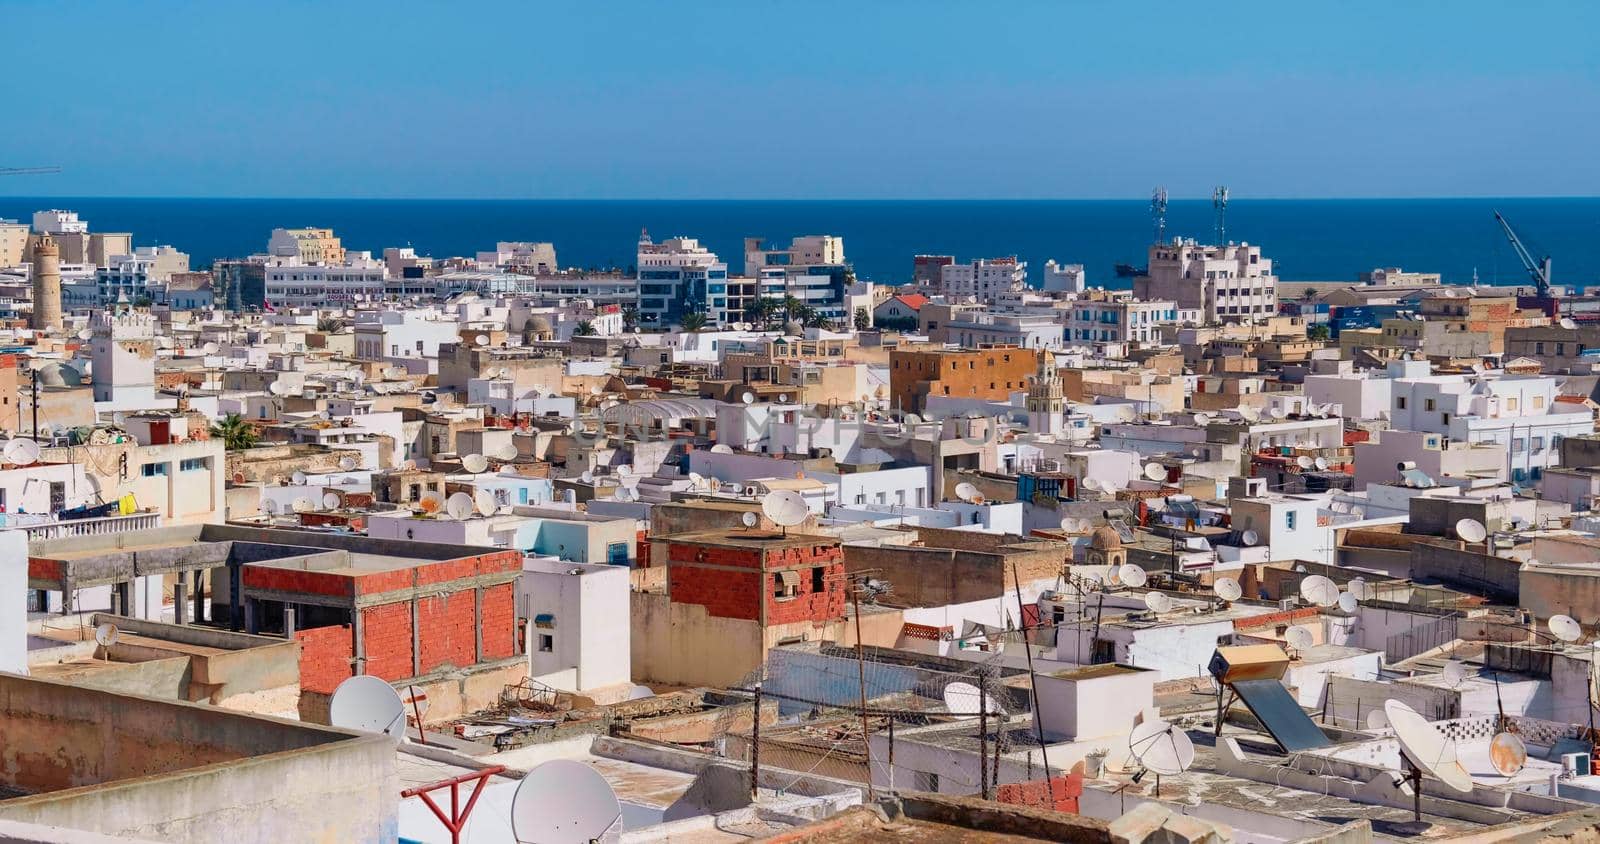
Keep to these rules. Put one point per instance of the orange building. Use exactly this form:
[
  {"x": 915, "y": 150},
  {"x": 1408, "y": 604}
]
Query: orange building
[{"x": 992, "y": 373}]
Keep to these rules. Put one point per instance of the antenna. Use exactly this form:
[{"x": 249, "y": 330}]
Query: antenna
[
  {"x": 563, "y": 802},
  {"x": 1565, "y": 628},
  {"x": 966, "y": 492},
  {"x": 1202, "y": 419},
  {"x": 965, "y": 700},
  {"x": 1319, "y": 590},
  {"x": 1425, "y": 749},
  {"x": 1360, "y": 588},
  {"x": 1250, "y": 538},
  {"x": 748, "y": 398},
  {"x": 303, "y": 504},
  {"x": 269, "y": 507},
  {"x": 430, "y": 502},
  {"x": 1321, "y": 463},
  {"x": 1092, "y": 484},
  {"x": 785, "y": 508},
  {"x": 1158, "y": 213},
  {"x": 1471, "y": 530},
  {"x": 105, "y": 635},
  {"x": 1348, "y": 602},
  {"x": 368, "y": 704},
  {"x": 482, "y": 339},
  {"x": 1219, "y": 201},
  {"x": 22, "y": 452},
  {"x": 1155, "y": 472},
  {"x": 1133, "y": 576},
  {"x": 1507, "y": 754},
  {"x": 460, "y": 506},
  {"x": 1161, "y": 749},
  {"x": 1228, "y": 589},
  {"x": 298, "y": 477},
  {"x": 474, "y": 463},
  {"x": 506, "y": 452},
  {"x": 1377, "y": 719},
  {"x": 1304, "y": 462}
]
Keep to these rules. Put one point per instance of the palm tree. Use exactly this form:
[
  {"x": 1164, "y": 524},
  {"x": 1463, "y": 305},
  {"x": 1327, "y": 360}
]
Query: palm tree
[
  {"x": 693, "y": 321},
  {"x": 791, "y": 306},
  {"x": 585, "y": 328},
  {"x": 759, "y": 311},
  {"x": 235, "y": 433},
  {"x": 807, "y": 316},
  {"x": 328, "y": 325},
  {"x": 863, "y": 319},
  {"x": 630, "y": 316}
]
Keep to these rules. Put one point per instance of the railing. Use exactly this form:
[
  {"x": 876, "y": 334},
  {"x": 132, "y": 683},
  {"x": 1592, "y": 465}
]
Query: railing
[{"x": 89, "y": 527}]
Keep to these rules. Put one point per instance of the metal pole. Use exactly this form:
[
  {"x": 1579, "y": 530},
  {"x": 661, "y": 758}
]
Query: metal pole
[
  {"x": 861, "y": 675},
  {"x": 891, "y": 755},
  {"x": 755, "y": 747},
  {"x": 983, "y": 739},
  {"x": 33, "y": 375},
  {"x": 1033, "y": 688}
]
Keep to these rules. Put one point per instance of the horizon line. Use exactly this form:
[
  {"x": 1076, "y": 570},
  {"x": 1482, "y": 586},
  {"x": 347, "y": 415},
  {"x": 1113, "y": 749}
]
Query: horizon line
[{"x": 1141, "y": 200}]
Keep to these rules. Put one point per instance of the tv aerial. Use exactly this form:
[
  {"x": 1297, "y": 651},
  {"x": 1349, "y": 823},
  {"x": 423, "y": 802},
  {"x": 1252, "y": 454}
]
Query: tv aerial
[
  {"x": 1250, "y": 538},
  {"x": 269, "y": 507},
  {"x": 966, "y": 491},
  {"x": 303, "y": 504},
  {"x": 563, "y": 802},
  {"x": 1424, "y": 749},
  {"x": 965, "y": 700},
  {"x": 1321, "y": 463},
  {"x": 1304, "y": 462},
  {"x": 1377, "y": 719},
  {"x": 785, "y": 508},
  {"x": 22, "y": 452},
  {"x": 1507, "y": 753},
  {"x": 1454, "y": 673},
  {"x": 1360, "y": 588},
  {"x": 430, "y": 502},
  {"x": 299, "y": 478},
  {"x": 1228, "y": 589},
  {"x": 1133, "y": 576},
  {"x": 1348, "y": 602},
  {"x": 1155, "y": 472},
  {"x": 367, "y": 704},
  {"x": 484, "y": 501},
  {"x": 474, "y": 463},
  {"x": 1161, "y": 749}
]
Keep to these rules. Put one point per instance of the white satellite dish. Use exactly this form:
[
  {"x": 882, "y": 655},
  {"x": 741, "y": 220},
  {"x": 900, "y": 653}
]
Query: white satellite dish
[
  {"x": 750, "y": 519},
  {"x": 1228, "y": 589},
  {"x": 483, "y": 501},
  {"x": 1304, "y": 462},
  {"x": 474, "y": 463},
  {"x": 1377, "y": 719},
  {"x": 783, "y": 398},
  {"x": 431, "y": 502},
  {"x": 1348, "y": 602},
  {"x": 1202, "y": 419},
  {"x": 277, "y": 388},
  {"x": 1321, "y": 463},
  {"x": 105, "y": 635},
  {"x": 587, "y": 477},
  {"x": 368, "y": 704},
  {"x": 1471, "y": 530},
  {"x": 1157, "y": 601},
  {"x": 748, "y": 398},
  {"x": 1360, "y": 588},
  {"x": 507, "y": 451},
  {"x": 1454, "y": 673},
  {"x": 299, "y": 478},
  {"x": 1299, "y": 638},
  {"x": 1565, "y": 628},
  {"x": 303, "y": 504},
  {"x": 1426, "y": 748},
  {"x": 460, "y": 506},
  {"x": 22, "y": 452},
  {"x": 269, "y": 507},
  {"x": 1161, "y": 748},
  {"x": 1155, "y": 472},
  {"x": 1279, "y": 413},
  {"x": 785, "y": 507},
  {"x": 1319, "y": 590},
  {"x": 210, "y": 348},
  {"x": 347, "y": 463},
  {"x": 722, "y": 448},
  {"x": 563, "y": 802},
  {"x": 85, "y": 334},
  {"x": 1507, "y": 754},
  {"x": 482, "y": 339},
  {"x": 1250, "y": 414},
  {"x": 1069, "y": 524},
  {"x": 1567, "y": 323},
  {"x": 330, "y": 501},
  {"x": 1250, "y": 538},
  {"x": 965, "y": 699},
  {"x": 1133, "y": 576},
  {"x": 1092, "y": 484},
  {"x": 966, "y": 491}
]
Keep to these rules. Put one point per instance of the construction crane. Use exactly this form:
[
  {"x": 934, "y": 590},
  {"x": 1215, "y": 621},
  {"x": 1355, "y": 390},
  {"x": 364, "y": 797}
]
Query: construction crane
[
  {"x": 28, "y": 171},
  {"x": 1538, "y": 270}
]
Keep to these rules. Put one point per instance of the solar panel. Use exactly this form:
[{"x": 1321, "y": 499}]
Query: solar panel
[
  {"x": 1124, "y": 532},
  {"x": 1417, "y": 478},
  {"x": 1288, "y": 724}
]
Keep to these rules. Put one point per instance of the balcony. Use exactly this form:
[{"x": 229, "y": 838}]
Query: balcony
[{"x": 53, "y": 529}]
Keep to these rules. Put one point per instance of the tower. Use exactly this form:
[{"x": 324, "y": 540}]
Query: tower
[
  {"x": 46, "y": 284},
  {"x": 1045, "y": 402}
]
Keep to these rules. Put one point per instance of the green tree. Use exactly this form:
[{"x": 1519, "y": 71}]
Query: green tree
[
  {"x": 863, "y": 319},
  {"x": 1309, "y": 293},
  {"x": 1319, "y": 332},
  {"x": 791, "y": 307},
  {"x": 329, "y": 325},
  {"x": 760, "y": 311},
  {"x": 585, "y": 328},
  {"x": 630, "y": 316},
  {"x": 693, "y": 321},
  {"x": 235, "y": 433}
]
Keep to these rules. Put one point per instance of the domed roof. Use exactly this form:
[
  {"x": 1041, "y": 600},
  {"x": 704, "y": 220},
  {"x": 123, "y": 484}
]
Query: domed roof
[
  {"x": 539, "y": 322},
  {"x": 59, "y": 375},
  {"x": 1105, "y": 538}
]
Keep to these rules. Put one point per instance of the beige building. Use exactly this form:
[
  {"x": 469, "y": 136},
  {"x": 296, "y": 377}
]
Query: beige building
[
  {"x": 13, "y": 243},
  {"x": 312, "y": 246}
]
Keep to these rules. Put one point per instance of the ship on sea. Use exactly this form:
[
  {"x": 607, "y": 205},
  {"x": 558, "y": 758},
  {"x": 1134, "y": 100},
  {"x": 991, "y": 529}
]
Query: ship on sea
[{"x": 1129, "y": 270}]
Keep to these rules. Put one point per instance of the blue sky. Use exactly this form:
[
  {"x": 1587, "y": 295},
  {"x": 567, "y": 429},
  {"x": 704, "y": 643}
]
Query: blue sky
[{"x": 866, "y": 99}]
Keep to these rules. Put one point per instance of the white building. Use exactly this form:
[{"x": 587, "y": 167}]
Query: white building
[
  {"x": 1378, "y": 460},
  {"x": 56, "y": 221},
  {"x": 122, "y": 355},
  {"x": 293, "y": 283},
  {"x": 974, "y": 329},
  {"x": 411, "y": 334},
  {"x": 677, "y": 277},
  {"x": 1231, "y": 283},
  {"x": 524, "y": 255},
  {"x": 1063, "y": 278},
  {"x": 1122, "y": 320},
  {"x": 983, "y": 279},
  {"x": 575, "y": 642},
  {"x": 1519, "y": 412},
  {"x": 135, "y": 275}
]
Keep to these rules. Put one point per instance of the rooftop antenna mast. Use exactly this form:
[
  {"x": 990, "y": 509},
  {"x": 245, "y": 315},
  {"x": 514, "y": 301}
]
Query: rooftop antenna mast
[
  {"x": 1158, "y": 213},
  {"x": 1219, "y": 201}
]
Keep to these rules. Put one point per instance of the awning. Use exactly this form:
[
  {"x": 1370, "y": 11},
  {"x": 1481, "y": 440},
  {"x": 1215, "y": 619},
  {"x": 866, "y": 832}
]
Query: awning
[
  {"x": 544, "y": 620},
  {"x": 789, "y": 578}
]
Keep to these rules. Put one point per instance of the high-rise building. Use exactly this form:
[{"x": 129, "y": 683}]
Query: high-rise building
[
  {"x": 1230, "y": 283},
  {"x": 811, "y": 271},
  {"x": 984, "y": 279},
  {"x": 46, "y": 284},
  {"x": 1062, "y": 278},
  {"x": 679, "y": 276},
  {"x": 13, "y": 243},
  {"x": 311, "y": 246},
  {"x": 926, "y": 270}
]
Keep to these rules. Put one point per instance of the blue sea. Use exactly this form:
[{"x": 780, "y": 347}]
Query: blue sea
[{"x": 1313, "y": 240}]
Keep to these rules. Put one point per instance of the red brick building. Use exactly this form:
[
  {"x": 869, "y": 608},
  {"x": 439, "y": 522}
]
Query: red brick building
[{"x": 759, "y": 576}]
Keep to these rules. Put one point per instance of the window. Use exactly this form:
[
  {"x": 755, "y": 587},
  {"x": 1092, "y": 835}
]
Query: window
[
  {"x": 816, "y": 578},
  {"x": 1427, "y": 404},
  {"x": 1538, "y": 444},
  {"x": 1400, "y": 402},
  {"x": 1289, "y": 519},
  {"x": 1511, "y": 404},
  {"x": 547, "y": 643},
  {"x": 1445, "y": 418},
  {"x": 1518, "y": 445},
  {"x": 194, "y": 464},
  {"x": 154, "y": 470}
]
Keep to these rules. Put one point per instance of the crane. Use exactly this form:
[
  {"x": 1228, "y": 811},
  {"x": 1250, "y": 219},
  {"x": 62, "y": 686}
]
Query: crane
[
  {"x": 28, "y": 171},
  {"x": 1538, "y": 270}
]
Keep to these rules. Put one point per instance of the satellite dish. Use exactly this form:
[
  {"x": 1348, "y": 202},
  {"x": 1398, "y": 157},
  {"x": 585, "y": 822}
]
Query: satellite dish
[
  {"x": 1426, "y": 748},
  {"x": 430, "y": 502},
  {"x": 783, "y": 398},
  {"x": 1202, "y": 419},
  {"x": 1228, "y": 589},
  {"x": 506, "y": 452},
  {"x": 1250, "y": 538},
  {"x": 1157, "y": 601},
  {"x": 1565, "y": 628},
  {"x": 965, "y": 699},
  {"x": 298, "y": 477},
  {"x": 1069, "y": 524},
  {"x": 483, "y": 501},
  {"x": 1319, "y": 590},
  {"x": 1321, "y": 463},
  {"x": 563, "y": 802},
  {"x": 587, "y": 477},
  {"x": 460, "y": 506},
  {"x": 269, "y": 507},
  {"x": 1566, "y": 322},
  {"x": 722, "y": 448},
  {"x": 1454, "y": 672},
  {"x": 750, "y": 519},
  {"x": 785, "y": 507},
  {"x": 303, "y": 504},
  {"x": 1360, "y": 588},
  {"x": 1507, "y": 754},
  {"x": 966, "y": 491},
  {"x": 1303, "y": 462},
  {"x": 1250, "y": 414},
  {"x": 748, "y": 398},
  {"x": 482, "y": 339},
  {"x": 277, "y": 388},
  {"x": 624, "y": 471},
  {"x": 210, "y": 348},
  {"x": 22, "y": 452},
  {"x": 105, "y": 635},
  {"x": 1134, "y": 576},
  {"x": 1279, "y": 413},
  {"x": 1471, "y": 530},
  {"x": 1161, "y": 748},
  {"x": 85, "y": 334},
  {"x": 1377, "y": 719},
  {"x": 330, "y": 501},
  {"x": 1348, "y": 602},
  {"x": 696, "y": 479},
  {"x": 368, "y": 704},
  {"x": 1092, "y": 484},
  {"x": 474, "y": 463},
  {"x": 347, "y": 463},
  {"x": 1299, "y": 638},
  {"x": 1155, "y": 472}
]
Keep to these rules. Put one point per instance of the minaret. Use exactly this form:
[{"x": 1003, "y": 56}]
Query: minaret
[
  {"x": 46, "y": 283},
  {"x": 1046, "y": 405}
]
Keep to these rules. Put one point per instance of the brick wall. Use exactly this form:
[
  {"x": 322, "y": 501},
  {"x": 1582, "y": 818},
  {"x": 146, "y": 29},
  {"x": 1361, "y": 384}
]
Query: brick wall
[
  {"x": 448, "y": 636},
  {"x": 810, "y": 604},
  {"x": 325, "y": 654},
  {"x": 726, "y": 594},
  {"x": 386, "y": 632},
  {"x": 1062, "y": 795}
]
